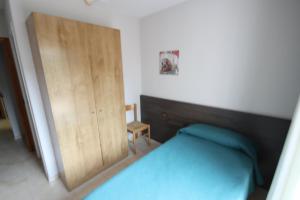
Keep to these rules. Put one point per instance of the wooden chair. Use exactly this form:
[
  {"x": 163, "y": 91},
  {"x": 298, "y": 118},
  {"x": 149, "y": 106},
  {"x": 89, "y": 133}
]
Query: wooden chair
[
  {"x": 136, "y": 127},
  {"x": 3, "y": 113}
]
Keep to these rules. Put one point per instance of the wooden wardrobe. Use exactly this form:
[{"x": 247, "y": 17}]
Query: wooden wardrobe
[{"x": 79, "y": 69}]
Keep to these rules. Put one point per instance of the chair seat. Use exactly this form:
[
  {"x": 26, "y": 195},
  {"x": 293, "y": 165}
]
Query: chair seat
[{"x": 136, "y": 126}]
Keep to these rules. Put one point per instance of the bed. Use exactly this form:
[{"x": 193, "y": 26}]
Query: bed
[{"x": 200, "y": 162}]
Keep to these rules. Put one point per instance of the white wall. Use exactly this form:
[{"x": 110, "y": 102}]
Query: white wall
[
  {"x": 286, "y": 182},
  {"x": 3, "y": 28},
  {"x": 74, "y": 9},
  {"x": 235, "y": 54}
]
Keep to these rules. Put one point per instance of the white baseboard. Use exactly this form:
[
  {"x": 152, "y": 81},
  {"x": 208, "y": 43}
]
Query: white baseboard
[
  {"x": 53, "y": 178},
  {"x": 17, "y": 137}
]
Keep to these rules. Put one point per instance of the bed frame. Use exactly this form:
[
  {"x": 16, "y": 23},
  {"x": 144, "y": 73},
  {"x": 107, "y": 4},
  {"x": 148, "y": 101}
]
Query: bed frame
[{"x": 268, "y": 133}]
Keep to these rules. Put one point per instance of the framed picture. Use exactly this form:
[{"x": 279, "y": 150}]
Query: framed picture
[{"x": 168, "y": 62}]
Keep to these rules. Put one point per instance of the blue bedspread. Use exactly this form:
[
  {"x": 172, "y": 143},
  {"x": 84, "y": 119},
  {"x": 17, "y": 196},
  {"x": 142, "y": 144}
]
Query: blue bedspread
[{"x": 190, "y": 166}]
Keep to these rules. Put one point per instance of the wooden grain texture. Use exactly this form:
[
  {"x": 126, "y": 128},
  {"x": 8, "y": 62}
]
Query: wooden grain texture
[
  {"x": 66, "y": 55},
  {"x": 107, "y": 74},
  {"x": 268, "y": 133}
]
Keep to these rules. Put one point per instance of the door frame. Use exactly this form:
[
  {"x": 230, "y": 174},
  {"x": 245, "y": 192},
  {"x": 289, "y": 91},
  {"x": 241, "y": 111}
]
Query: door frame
[{"x": 26, "y": 130}]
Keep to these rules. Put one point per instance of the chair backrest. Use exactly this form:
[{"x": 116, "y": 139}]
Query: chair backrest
[
  {"x": 130, "y": 108},
  {"x": 3, "y": 112}
]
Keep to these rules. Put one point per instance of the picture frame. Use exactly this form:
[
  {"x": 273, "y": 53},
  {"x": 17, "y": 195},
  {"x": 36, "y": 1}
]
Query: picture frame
[{"x": 168, "y": 62}]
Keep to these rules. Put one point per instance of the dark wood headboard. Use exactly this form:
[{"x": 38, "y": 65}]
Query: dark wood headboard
[{"x": 268, "y": 133}]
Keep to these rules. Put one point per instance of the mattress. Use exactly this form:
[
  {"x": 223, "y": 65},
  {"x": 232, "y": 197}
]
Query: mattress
[{"x": 187, "y": 167}]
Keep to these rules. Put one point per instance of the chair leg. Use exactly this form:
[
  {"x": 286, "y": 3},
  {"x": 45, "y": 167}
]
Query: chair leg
[
  {"x": 133, "y": 142},
  {"x": 149, "y": 136}
]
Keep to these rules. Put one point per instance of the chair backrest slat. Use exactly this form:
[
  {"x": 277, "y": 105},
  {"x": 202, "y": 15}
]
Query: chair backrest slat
[{"x": 132, "y": 107}]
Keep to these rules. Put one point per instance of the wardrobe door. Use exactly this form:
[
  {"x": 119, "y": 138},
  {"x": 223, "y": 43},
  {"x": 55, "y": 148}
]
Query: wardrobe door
[
  {"x": 63, "y": 66},
  {"x": 109, "y": 92}
]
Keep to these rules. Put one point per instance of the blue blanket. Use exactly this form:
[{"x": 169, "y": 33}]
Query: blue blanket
[{"x": 195, "y": 164}]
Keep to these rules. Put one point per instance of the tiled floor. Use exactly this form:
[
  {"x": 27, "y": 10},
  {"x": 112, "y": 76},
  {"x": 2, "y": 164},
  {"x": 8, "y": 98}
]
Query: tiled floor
[{"x": 21, "y": 175}]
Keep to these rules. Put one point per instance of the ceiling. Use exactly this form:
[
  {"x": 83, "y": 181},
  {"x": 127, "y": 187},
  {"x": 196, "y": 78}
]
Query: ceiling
[{"x": 137, "y": 8}]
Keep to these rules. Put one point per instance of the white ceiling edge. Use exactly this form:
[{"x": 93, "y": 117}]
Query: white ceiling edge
[
  {"x": 132, "y": 8},
  {"x": 137, "y": 8}
]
